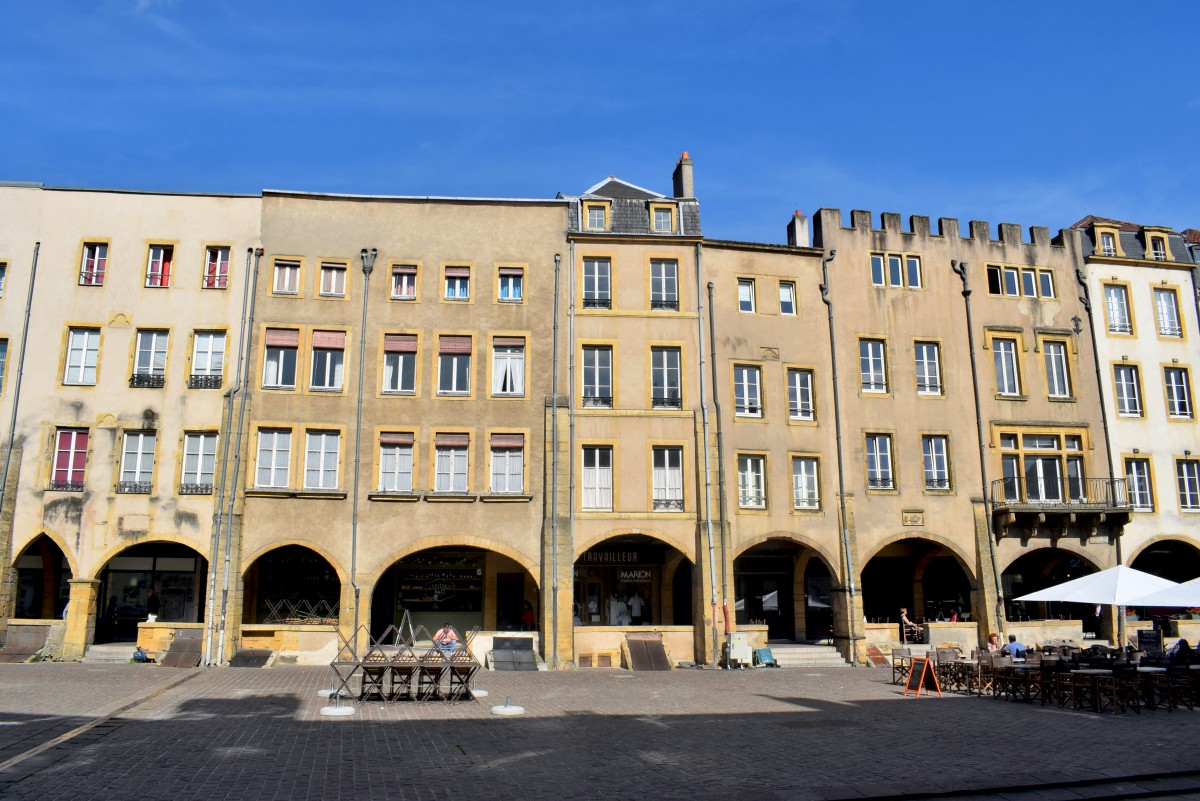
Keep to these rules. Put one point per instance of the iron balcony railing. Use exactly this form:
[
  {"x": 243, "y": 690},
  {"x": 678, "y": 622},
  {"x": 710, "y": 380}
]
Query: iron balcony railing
[
  {"x": 66, "y": 486},
  {"x": 133, "y": 487},
  {"x": 664, "y": 305},
  {"x": 195, "y": 489},
  {"x": 667, "y": 403},
  {"x": 147, "y": 381},
  {"x": 597, "y": 303},
  {"x": 204, "y": 382},
  {"x": 1065, "y": 494},
  {"x": 597, "y": 401}
]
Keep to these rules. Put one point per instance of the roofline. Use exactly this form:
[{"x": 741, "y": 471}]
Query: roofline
[
  {"x": 22, "y": 184},
  {"x": 591, "y": 189},
  {"x": 100, "y": 190},
  {"x": 796, "y": 250},
  {"x": 415, "y": 198}
]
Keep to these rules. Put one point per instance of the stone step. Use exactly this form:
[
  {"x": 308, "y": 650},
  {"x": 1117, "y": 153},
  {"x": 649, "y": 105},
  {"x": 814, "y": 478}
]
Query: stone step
[
  {"x": 802, "y": 655},
  {"x": 116, "y": 653}
]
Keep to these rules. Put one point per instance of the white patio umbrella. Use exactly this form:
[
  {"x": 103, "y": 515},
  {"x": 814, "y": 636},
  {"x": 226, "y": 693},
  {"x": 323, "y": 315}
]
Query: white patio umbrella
[
  {"x": 1185, "y": 595},
  {"x": 1117, "y": 586}
]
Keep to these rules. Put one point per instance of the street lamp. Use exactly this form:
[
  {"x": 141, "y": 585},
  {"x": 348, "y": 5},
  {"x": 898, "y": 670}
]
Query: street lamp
[{"x": 368, "y": 264}]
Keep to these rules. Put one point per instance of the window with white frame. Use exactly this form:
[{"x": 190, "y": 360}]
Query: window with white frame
[
  {"x": 1019, "y": 282},
  {"x": 83, "y": 346},
  {"x": 597, "y": 283},
  {"x": 1166, "y": 306},
  {"x": 745, "y": 294},
  {"x": 216, "y": 268},
  {"x": 896, "y": 270},
  {"x": 333, "y": 280},
  {"x": 597, "y": 478},
  {"x": 597, "y": 216},
  {"x": 158, "y": 265},
  {"x": 328, "y": 360},
  {"x": 1158, "y": 248},
  {"x": 454, "y": 365},
  {"x": 151, "y": 358},
  {"x": 597, "y": 376},
  {"x": 70, "y": 459},
  {"x": 663, "y": 221},
  {"x": 1116, "y": 308},
  {"x": 665, "y": 386},
  {"x": 1004, "y": 356},
  {"x": 787, "y": 298},
  {"x": 800, "y": 394},
  {"x": 747, "y": 391},
  {"x": 404, "y": 282},
  {"x": 451, "y": 462},
  {"x": 508, "y": 366},
  {"x": 1108, "y": 245},
  {"x": 927, "y": 356},
  {"x": 1187, "y": 473},
  {"x": 872, "y": 365},
  {"x": 458, "y": 283},
  {"x": 806, "y": 489},
  {"x": 512, "y": 284},
  {"x": 879, "y": 461},
  {"x": 400, "y": 363},
  {"x": 668, "y": 479},
  {"x": 3, "y": 277},
  {"x": 137, "y": 463},
  {"x": 1058, "y": 373},
  {"x": 3, "y": 361},
  {"x": 208, "y": 354},
  {"x": 287, "y": 277},
  {"x": 1129, "y": 390},
  {"x": 396, "y": 462},
  {"x": 279, "y": 362},
  {"x": 199, "y": 463},
  {"x": 1179, "y": 392},
  {"x": 664, "y": 284},
  {"x": 93, "y": 264},
  {"x": 274, "y": 457},
  {"x": 321, "y": 459},
  {"x": 752, "y": 481},
  {"x": 508, "y": 463},
  {"x": 935, "y": 450},
  {"x": 1137, "y": 479}
]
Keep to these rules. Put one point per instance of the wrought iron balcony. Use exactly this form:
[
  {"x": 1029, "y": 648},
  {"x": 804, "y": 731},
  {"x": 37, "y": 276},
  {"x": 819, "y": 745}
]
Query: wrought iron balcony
[
  {"x": 147, "y": 381},
  {"x": 664, "y": 305},
  {"x": 937, "y": 483},
  {"x": 597, "y": 401},
  {"x": 66, "y": 486},
  {"x": 204, "y": 382},
  {"x": 195, "y": 489},
  {"x": 880, "y": 483},
  {"x": 667, "y": 403},
  {"x": 133, "y": 487},
  {"x": 668, "y": 504},
  {"x": 597, "y": 303},
  {"x": 1063, "y": 495}
]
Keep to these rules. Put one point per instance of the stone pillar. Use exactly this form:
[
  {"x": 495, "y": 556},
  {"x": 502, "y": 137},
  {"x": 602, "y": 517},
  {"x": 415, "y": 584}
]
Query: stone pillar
[
  {"x": 8, "y": 570},
  {"x": 81, "y": 617},
  {"x": 987, "y": 593},
  {"x": 849, "y": 634},
  {"x": 558, "y": 647}
]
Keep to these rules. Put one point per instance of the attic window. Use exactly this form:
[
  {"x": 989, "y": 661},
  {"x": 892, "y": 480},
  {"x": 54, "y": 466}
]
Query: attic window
[
  {"x": 662, "y": 219},
  {"x": 596, "y": 216},
  {"x": 1158, "y": 248},
  {"x": 1108, "y": 245}
]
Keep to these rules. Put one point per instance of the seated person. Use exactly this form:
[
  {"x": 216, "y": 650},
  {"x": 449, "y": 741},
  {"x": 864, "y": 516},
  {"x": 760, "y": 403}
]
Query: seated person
[
  {"x": 1014, "y": 648},
  {"x": 910, "y": 630},
  {"x": 445, "y": 639}
]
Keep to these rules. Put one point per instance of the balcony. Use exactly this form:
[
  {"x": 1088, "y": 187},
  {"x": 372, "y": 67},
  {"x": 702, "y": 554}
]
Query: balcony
[
  {"x": 597, "y": 303},
  {"x": 195, "y": 489},
  {"x": 204, "y": 382},
  {"x": 666, "y": 403},
  {"x": 668, "y": 504},
  {"x": 66, "y": 486},
  {"x": 597, "y": 401},
  {"x": 664, "y": 305},
  {"x": 147, "y": 381},
  {"x": 133, "y": 488},
  {"x": 1027, "y": 507}
]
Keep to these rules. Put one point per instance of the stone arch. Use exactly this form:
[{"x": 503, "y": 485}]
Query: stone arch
[
  {"x": 316, "y": 548},
  {"x": 632, "y": 532},
  {"x": 1067, "y": 547},
  {"x": 830, "y": 560},
  {"x": 965, "y": 560},
  {"x": 152, "y": 539},
  {"x": 295, "y": 587},
  {"x": 72, "y": 562},
  {"x": 449, "y": 541},
  {"x": 1173, "y": 557},
  {"x": 925, "y": 572},
  {"x": 771, "y": 586}
]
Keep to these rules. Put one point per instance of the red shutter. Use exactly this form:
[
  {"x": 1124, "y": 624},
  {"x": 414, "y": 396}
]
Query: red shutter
[
  {"x": 509, "y": 342},
  {"x": 452, "y": 440},
  {"x": 333, "y": 340},
  {"x": 454, "y": 344},
  {"x": 512, "y": 271},
  {"x": 395, "y": 438},
  {"x": 400, "y": 343},
  {"x": 283, "y": 338},
  {"x": 404, "y": 269},
  {"x": 511, "y": 441},
  {"x": 458, "y": 272}
]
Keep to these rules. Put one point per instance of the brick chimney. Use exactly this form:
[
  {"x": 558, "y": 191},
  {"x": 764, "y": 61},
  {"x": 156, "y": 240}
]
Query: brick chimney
[
  {"x": 682, "y": 179},
  {"x": 797, "y": 230}
]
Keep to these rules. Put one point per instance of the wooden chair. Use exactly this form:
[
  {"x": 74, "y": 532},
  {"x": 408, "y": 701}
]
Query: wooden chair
[{"x": 901, "y": 664}]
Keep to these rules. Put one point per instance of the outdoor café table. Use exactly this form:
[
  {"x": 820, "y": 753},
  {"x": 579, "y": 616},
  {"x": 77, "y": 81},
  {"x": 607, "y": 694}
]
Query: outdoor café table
[
  {"x": 1091, "y": 674},
  {"x": 1146, "y": 680}
]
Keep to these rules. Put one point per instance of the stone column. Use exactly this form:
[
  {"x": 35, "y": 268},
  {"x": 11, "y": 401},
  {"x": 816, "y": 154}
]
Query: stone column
[
  {"x": 558, "y": 647},
  {"x": 8, "y": 571},
  {"x": 849, "y": 633},
  {"x": 81, "y": 617},
  {"x": 987, "y": 593}
]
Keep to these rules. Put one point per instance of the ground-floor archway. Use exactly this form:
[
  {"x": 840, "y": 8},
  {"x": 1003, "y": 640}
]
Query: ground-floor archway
[
  {"x": 174, "y": 572},
  {"x": 787, "y": 586},
  {"x": 923, "y": 576},
  {"x": 43, "y": 573},
  {"x": 633, "y": 580},
  {"x": 1042, "y": 568},
  {"x": 291, "y": 584},
  {"x": 1174, "y": 560}
]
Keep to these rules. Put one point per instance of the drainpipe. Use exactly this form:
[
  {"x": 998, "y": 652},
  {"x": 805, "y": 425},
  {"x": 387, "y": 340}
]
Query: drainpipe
[
  {"x": 571, "y": 413},
  {"x": 368, "y": 264},
  {"x": 216, "y": 545},
  {"x": 554, "y": 474},
  {"x": 243, "y": 360},
  {"x": 1194, "y": 250},
  {"x": 837, "y": 427},
  {"x": 1086, "y": 300},
  {"x": 961, "y": 270},
  {"x": 12, "y": 425},
  {"x": 712, "y": 574},
  {"x": 712, "y": 337}
]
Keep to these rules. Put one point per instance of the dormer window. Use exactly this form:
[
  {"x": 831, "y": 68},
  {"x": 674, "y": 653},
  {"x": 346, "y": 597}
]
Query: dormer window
[
  {"x": 662, "y": 219},
  {"x": 1158, "y": 248},
  {"x": 596, "y": 216},
  {"x": 1108, "y": 245}
]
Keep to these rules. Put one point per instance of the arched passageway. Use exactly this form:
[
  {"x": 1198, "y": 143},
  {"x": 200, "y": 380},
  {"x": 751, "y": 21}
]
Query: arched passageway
[
  {"x": 1174, "y": 560},
  {"x": 787, "y": 586},
  {"x": 42, "y": 575},
  {"x": 291, "y": 584},
  {"x": 174, "y": 572},
  {"x": 1042, "y": 568},
  {"x": 923, "y": 576},
  {"x": 633, "y": 580}
]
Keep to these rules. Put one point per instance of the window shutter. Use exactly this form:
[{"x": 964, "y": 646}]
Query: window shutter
[
  {"x": 396, "y": 438},
  {"x": 454, "y": 344},
  {"x": 334, "y": 340},
  {"x": 283, "y": 337},
  {"x": 448, "y": 440},
  {"x": 509, "y": 342},
  {"x": 508, "y": 440},
  {"x": 458, "y": 272},
  {"x": 400, "y": 343},
  {"x": 404, "y": 269},
  {"x": 512, "y": 271}
]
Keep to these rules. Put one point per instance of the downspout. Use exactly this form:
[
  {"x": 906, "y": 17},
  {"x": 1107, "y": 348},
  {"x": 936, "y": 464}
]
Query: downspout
[
  {"x": 12, "y": 425},
  {"x": 712, "y": 337},
  {"x": 571, "y": 412},
  {"x": 228, "y": 396},
  {"x": 554, "y": 474},
  {"x": 1194, "y": 250},
  {"x": 961, "y": 269},
  {"x": 368, "y": 264},
  {"x": 243, "y": 359},
  {"x": 837, "y": 425},
  {"x": 712, "y": 568}
]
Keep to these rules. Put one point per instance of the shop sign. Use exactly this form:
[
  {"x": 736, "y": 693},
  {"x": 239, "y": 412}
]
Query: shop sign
[
  {"x": 635, "y": 575},
  {"x": 609, "y": 557},
  {"x": 439, "y": 590}
]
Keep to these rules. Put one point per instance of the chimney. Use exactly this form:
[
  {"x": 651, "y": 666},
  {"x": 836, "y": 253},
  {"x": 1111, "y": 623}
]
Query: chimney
[
  {"x": 797, "y": 230},
  {"x": 682, "y": 179}
]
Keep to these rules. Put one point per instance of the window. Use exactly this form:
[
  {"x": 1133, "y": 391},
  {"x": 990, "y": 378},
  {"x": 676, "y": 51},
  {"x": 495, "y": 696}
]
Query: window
[
  {"x": 216, "y": 268},
  {"x": 512, "y": 284},
  {"x": 752, "y": 487},
  {"x": 668, "y": 479},
  {"x": 279, "y": 366},
  {"x": 400, "y": 363},
  {"x": 597, "y": 286},
  {"x": 895, "y": 270},
  {"x": 395, "y": 462},
  {"x": 508, "y": 463},
  {"x": 150, "y": 363},
  {"x": 1020, "y": 282},
  {"x": 458, "y": 283},
  {"x": 208, "y": 360},
  {"x": 1058, "y": 374},
  {"x": 1046, "y": 279},
  {"x": 404, "y": 282},
  {"x": 935, "y": 450},
  {"x": 1108, "y": 245},
  {"x": 1158, "y": 248},
  {"x": 508, "y": 366},
  {"x": 665, "y": 392},
  {"x": 664, "y": 284},
  {"x": 1004, "y": 354},
  {"x": 597, "y": 376},
  {"x": 454, "y": 365},
  {"x": 746, "y": 294},
  {"x": 3, "y": 277},
  {"x": 879, "y": 461},
  {"x": 664, "y": 220},
  {"x": 747, "y": 397},
  {"x": 91, "y": 268},
  {"x": 3, "y": 361},
  {"x": 1179, "y": 393},
  {"x": 872, "y": 366},
  {"x": 137, "y": 463},
  {"x": 929, "y": 368},
  {"x": 287, "y": 277},
  {"x": 1116, "y": 306},
  {"x": 806, "y": 492},
  {"x": 333, "y": 280},
  {"x": 1045, "y": 469},
  {"x": 787, "y": 298},
  {"x": 158, "y": 265},
  {"x": 597, "y": 478},
  {"x": 274, "y": 456},
  {"x": 800, "y": 394},
  {"x": 1187, "y": 471},
  {"x": 1167, "y": 308},
  {"x": 83, "y": 346},
  {"x": 321, "y": 459},
  {"x": 597, "y": 216},
  {"x": 1129, "y": 390},
  {"x": 70, "y": 459},
  {"x": 328, "y": 357},
  {"x": 199, "y": 462},
  {"x": 1137, "y": 479}
]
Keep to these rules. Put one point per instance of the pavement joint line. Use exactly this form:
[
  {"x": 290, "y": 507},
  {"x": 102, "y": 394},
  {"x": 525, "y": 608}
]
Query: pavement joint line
[{"x": 13, "y": 761}]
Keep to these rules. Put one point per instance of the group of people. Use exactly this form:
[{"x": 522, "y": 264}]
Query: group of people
[{"x": 1012, "y": 648}]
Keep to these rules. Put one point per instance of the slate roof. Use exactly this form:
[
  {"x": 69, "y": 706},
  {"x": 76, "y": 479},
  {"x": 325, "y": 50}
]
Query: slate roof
[
  {"x": 630, "y": 208},
  {"x": 1133, "y": 240}
]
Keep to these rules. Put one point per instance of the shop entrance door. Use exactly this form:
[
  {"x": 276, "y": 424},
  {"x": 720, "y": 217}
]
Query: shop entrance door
[{"x": 510, "y": 600}]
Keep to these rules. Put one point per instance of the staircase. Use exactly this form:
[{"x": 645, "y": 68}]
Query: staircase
[
  {"x": 802, "y": 655},
  {"x": 116, "y": 653}
]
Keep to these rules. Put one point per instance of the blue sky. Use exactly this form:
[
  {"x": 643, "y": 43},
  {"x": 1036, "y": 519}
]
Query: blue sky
[{"x": 1034, "y": 113}]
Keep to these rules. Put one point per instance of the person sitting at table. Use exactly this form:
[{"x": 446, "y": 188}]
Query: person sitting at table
[
  {"x": 445, "y": 639},
  {"x": 1181, "y": 654},
  {"x": 1014, "y": 648},
  {"x": 993, "y": 643},
  {"x": 910, "y": 631}
]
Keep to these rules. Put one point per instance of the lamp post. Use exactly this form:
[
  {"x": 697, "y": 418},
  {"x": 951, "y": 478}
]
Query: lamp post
[{"x": 368, "y": 264}]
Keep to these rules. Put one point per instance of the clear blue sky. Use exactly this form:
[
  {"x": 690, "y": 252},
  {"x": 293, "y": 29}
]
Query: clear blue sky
[{"x": 1034, "y": 113}]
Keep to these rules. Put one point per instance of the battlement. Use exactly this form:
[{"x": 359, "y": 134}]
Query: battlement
[{"x": 948, "y": 230}]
